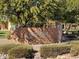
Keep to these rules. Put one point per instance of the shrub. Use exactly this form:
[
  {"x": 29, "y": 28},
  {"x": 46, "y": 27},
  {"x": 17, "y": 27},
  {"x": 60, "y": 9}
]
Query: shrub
[
  {"x": 21, "y": 51},
  {"x": 4, "y": 48},
  {"x": 54, "y": 50},
  {"x": 11, "y": 57},
  {"x": 74, "y": 50},
  {"x": 74, "y": 42}
]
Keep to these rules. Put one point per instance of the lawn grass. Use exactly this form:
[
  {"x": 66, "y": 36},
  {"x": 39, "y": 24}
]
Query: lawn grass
[{"x": 4, "y": 34}]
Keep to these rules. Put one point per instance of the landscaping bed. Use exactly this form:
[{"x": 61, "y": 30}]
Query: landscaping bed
[
  {"x": 52, "y": 51},
  {"x": 16, "y": 51}
]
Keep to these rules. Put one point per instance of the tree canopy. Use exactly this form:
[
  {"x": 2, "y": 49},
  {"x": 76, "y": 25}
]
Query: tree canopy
[
  {"x": 72, "y": 11},
  {"x": 39, "y": 12}
]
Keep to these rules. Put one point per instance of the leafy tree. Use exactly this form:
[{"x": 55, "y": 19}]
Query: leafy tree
[
  {"x": 32, "y": 12},
  {"x": 39, "y": 12},
  {"x": 72, "y": 5},
  {"x": 72, "y": 10}
]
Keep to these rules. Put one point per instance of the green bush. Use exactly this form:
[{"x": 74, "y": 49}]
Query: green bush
[
  {"x": 54, "y": 50},
  {"x": 74, "y": 47},
  {"x": 74, "y": 50},
  {"x": 21, "y": 51},
  {"x": 11, "y": 57},
  {"x": 4, "y": 48},
  {"x": 74, "y": 42}
]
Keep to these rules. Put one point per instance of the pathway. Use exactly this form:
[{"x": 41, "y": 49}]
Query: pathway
[
  {"x": 37, "y": 48},
  {"x": 6, "y": 41}
]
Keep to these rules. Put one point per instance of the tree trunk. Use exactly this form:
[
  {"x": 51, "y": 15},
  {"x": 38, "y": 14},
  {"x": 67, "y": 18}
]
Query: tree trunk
[{"x": 59, "y": 28}]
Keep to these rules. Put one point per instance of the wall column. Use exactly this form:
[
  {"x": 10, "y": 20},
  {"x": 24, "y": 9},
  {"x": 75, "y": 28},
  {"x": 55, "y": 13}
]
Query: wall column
[{"x": 9, "y": 25}]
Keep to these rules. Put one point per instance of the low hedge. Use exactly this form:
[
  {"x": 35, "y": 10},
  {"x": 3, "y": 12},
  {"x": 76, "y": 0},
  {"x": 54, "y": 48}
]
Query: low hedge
[
  {"x": 4, "y": 48},
  {"x": 74, "y": 47},
  {"x": 54, "y": 50},
  {"x": 21, "y": 51},
  {"x": 74, "y": 50}
]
